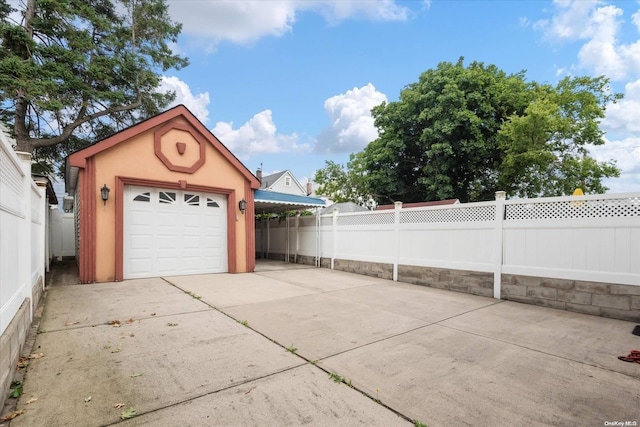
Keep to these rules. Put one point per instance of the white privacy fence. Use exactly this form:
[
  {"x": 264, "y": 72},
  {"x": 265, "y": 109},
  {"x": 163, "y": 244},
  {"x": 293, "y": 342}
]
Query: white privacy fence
[
  {"x": 594, "y": 238},
  {"x": 23, "y": 209},
  {"x": 63, "y": 239}
]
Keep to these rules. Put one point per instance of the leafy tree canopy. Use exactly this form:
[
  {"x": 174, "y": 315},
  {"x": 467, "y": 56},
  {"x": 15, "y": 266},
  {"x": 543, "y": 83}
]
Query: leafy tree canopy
[
  {"x": 83, "y": 68},
  {"x": 466, "y": 132}
]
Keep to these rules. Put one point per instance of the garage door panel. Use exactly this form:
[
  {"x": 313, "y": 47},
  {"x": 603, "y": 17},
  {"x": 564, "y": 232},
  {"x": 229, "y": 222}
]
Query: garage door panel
[{"x": 173, "y": 232}]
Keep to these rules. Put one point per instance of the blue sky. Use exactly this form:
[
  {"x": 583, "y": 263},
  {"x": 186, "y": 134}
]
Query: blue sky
[{"x": 289, "y": 84}]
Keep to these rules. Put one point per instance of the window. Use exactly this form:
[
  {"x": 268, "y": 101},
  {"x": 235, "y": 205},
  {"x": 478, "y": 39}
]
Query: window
[
  {"x": 212, "y": 203},
  {"x": 192, "y": 199},
  {"x": 167, "y": 197},
  {"x": 143, "y": 197},
  {"x": 287, "y": 181}
]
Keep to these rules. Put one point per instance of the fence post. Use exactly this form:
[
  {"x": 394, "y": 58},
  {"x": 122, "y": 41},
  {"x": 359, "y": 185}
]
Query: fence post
[
  {"x": 295, "y": 254},
  {"x": 43, "y": 207},
  {"x": 397, "y": 206},
  {"x": 24, "y": 246},
  {"x": 334, "y": 237},
  {"x": 498, "y": 246},
  {"x": 268, "y": 237}
]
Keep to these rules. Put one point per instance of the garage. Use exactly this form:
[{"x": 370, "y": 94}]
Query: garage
[
  {"x": 161, "y": 198},
  {"x": 170, "y": 232}
]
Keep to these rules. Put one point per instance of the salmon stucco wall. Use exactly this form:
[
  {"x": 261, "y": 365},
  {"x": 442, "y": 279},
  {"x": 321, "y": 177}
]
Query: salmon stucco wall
[{"x": 139, "y": 160}]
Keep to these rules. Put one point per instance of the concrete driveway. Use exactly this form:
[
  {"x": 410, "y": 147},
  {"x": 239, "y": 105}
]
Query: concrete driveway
[{"x": 267, "y": 349}]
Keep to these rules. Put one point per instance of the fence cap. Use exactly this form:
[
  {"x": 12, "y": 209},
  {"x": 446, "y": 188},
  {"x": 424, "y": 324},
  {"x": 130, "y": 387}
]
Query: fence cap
[{"x": 501, "y": 195}]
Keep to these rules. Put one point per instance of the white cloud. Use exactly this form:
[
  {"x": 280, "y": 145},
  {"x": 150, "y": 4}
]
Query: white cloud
[
  {"x": 598, "y": 25},
  {"x": 247, "y": 21},
  {"x": 624, "y": 116},
  {"x": 197, "y": 104},
  {"x": 257, "y": 136},
  {"x": 626, "y": 153},
  {"x": 571, "y": 20},
  {"x": 352, "y": 126}
]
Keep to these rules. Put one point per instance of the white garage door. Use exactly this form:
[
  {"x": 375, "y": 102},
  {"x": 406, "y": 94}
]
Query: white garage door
[{"x": 173, "y": 232}]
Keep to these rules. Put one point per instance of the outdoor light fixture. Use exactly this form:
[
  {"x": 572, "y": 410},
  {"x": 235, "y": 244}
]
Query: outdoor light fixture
[
  {"x": 242, "y": 205},
  {"x": 104, "y": 192}
]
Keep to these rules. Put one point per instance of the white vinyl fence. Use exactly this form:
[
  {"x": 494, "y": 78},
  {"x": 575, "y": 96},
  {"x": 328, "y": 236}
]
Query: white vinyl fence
[
  {"x": 63, "y": 239},
  {"x": 594, "y": 238},
  {"x": 23, "y": 210}
]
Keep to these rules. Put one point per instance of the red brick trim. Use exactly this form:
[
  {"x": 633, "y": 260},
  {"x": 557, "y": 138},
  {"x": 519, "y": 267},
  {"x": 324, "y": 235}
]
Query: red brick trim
[{"x": 87, "y": 262}]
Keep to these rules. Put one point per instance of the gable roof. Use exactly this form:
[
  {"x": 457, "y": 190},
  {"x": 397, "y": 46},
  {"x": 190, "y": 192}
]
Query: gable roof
[
  {"x": 270, "y": 180},
  {"x": 343, "y": 207},
  {"x": 79, "y": 158}
]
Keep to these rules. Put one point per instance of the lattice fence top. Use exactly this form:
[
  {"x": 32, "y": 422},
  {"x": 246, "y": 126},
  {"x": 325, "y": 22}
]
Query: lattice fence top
[
  {"x": 458, "y": 214},
  {"x": 575, "y": 209},
  {"x": 367, "y": 218}
]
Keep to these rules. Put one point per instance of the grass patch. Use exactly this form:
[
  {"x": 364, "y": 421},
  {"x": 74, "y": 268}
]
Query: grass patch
[
  {"x": 291, "y": 349},
  {"x": 335, "y": 377}
]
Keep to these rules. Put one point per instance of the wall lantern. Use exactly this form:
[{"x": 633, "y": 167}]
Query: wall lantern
[
  {"x": 242, "y": 205},
  {"x": 104, "y": 193}
]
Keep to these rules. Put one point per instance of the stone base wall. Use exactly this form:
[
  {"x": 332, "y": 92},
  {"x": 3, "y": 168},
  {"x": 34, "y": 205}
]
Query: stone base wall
[
  {"x": 599, "y": 299},
  {"x": 470, "y": 282},
  {"x": 36, "y": 292},
  {"x": 11, "y": 342},
  {"x": 375, "y": 269}
]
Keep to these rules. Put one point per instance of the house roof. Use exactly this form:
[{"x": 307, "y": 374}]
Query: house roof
[
  {"x": 79, "y": 158},
  {"x": 269, "y": 180},
  {"x": 344, "y": 207},
  {"x": 267, "y": 201},
  {"x": 421, "y": 204}
]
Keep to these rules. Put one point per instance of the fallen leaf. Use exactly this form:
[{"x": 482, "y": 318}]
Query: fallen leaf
[
  {"x": 153, "y": 314},
  {"x": 33, "y": 399},
  {"x": 22, "y": 363},
  {"x": 71, "y": 323},
  {"x": 88, "y": 399},
  {"x": 116, "y": 350},
  {"x": 129, "y": 413},
  {"x": 132, "y": 335},
  {"x": 12, "y": 415},
  {"x": 118, "y": 405},
  {"x": 172, "y": 324},
  {"x": 130, "y": 321},
  {"x": 114, "y": 323},
  {"x": 36, "y": 355},
  {"x": 136, "y": 375}
]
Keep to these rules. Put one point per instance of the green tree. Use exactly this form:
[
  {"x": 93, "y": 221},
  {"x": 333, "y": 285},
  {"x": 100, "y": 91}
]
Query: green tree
[
  {"x": 84, "y": 67},
  {"x": 440, "y": 140},
  {"x": 466, "y": 132},
  {"x": 343, "y": 183},
  {"x": 545, "y": 147}
]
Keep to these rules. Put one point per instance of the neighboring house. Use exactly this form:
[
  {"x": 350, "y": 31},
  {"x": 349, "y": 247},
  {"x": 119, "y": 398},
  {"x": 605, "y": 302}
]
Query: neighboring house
[
  {"x": 345, "y": 207},
  {"x": 283, "y": 182}
]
